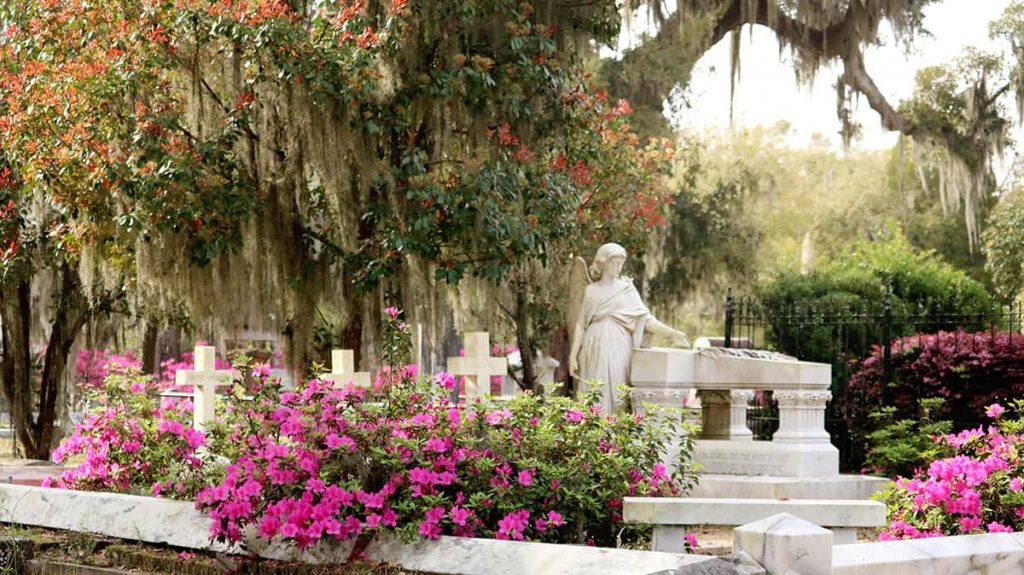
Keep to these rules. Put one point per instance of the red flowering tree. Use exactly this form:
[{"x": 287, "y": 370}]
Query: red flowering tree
[
  {"x": 467, "y": 139},
  {"x": 95, "y": 149}
]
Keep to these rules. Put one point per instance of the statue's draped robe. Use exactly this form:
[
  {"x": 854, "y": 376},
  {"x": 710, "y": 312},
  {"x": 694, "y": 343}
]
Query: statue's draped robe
[{"x": 613, "y": 324}]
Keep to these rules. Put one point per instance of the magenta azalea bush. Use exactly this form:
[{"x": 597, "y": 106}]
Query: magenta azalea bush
[
  {"x": 323, "y": 462},
  {"x": 968, "y": 370},
  {"x": 132, "y": 441},
  {"x": 973, "y": 486},
  {"x": 337, "y": 462},
  {"x": 92, "y": 366}
]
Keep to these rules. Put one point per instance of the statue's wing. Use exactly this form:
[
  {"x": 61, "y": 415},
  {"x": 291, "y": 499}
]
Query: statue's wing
[{"x": 579, "y": 279}]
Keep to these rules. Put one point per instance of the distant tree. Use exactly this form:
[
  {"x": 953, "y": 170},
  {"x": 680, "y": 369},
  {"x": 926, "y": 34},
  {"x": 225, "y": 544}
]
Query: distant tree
[
  {"x": 957, "y": 116},
  {"x": 1004, "y": 246}
]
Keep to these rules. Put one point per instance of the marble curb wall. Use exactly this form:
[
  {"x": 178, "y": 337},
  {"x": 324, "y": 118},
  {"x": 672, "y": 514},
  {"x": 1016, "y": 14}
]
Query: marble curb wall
[
  {"x": 785, "y": 544},
  {"x": 991, "y": 554},
  {"x": 179, "y": 524},
  {"x": 146, "y": 519}
]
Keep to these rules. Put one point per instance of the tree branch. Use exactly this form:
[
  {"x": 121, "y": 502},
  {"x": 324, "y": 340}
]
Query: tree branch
[
  {"x": 839, "y": 40},
  {"x": 855, "y": 75}
]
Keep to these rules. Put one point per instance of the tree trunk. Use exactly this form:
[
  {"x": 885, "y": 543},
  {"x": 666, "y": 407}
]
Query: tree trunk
[
  {"x": 150, "y": 353},
  {"x": 72, "y": 310},
  {"x": 35, "y": 432},
  {"x": 523, "y": 335},
  {"x": 16, "y": 308}
]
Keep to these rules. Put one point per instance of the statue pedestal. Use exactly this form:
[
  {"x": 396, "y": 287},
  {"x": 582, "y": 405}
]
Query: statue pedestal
[{"x": 725, "y": 381}]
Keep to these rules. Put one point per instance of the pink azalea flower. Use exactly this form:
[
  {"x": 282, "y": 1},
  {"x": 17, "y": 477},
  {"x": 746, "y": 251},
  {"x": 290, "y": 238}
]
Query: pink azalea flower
[
  {"x": 574, "y": 416},
  {"x": 430, "y": 530},
  {"x": 445, "y": 380},
  {"x": 996, "y": 527},
  {"x": 459, "y": 515},
  {"x": 994, "y": 410}
]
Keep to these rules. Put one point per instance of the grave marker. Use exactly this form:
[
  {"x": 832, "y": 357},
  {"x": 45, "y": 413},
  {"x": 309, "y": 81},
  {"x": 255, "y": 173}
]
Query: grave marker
[
  {"x": 477, "y": 365},
  {"x": 204, "y": 378},
  {"x": 343, "y": 369}
]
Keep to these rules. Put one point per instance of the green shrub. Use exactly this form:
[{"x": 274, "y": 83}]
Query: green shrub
[
  {"x": 834, "y": 314},
  {"x": 899, "y": 447}
]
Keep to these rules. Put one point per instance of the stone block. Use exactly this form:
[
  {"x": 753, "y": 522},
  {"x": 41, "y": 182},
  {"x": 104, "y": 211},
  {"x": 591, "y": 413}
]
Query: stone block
[
  {"x": 766, "y": 458},
  {"x": 786, "y": 545},
  {"x": 179, "y": 524},
  {"x": 670, "y": 515},
  {"x": 775, "y": 487},
  {"x": 699, "y": 511},
  {"x": 706, "y": 371}
]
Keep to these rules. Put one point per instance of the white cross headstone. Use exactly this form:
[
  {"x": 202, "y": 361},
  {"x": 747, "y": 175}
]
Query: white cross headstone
[
  {"x": 343, "y": 369},
  {"x": 204, "y": 378},
  {"x": 477, "y": 365}
]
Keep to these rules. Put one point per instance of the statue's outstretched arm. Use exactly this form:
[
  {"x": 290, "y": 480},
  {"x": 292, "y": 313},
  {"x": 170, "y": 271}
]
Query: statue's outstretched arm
[{"x": 678, "y": 337}]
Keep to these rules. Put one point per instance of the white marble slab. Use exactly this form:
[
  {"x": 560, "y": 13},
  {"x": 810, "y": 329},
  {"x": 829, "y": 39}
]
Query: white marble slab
[
  {"x": 699, "y": 511},
  {"x": 686, "y": 368},
  {"x": 766, "y": 458},
  {"x": 776, "y": 487},
  {"x": 991, "y": 554}
]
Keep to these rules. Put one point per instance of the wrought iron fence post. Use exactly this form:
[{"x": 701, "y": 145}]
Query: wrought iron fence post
[
  {"x": 887, "y": 344},
  {"x": 729, "y": 312}
]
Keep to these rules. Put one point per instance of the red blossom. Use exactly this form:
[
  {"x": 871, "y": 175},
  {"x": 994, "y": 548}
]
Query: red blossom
[
  {"x": 580, "y": 175},
  {"x": 245, "y": 100},
  {"x": 399, "y": 7},
  {"x": 368, "y": 39}
]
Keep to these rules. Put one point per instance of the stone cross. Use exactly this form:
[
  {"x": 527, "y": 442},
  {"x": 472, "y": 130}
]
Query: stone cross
[
  {"x": 204, "y": 378},
  {"x": 477, "y": 365},
  {"x": 343, "y": 369}
]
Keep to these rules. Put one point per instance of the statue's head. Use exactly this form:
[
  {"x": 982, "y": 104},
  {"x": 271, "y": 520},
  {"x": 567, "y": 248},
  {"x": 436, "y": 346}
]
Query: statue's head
[{"x": 606, "y": 253}]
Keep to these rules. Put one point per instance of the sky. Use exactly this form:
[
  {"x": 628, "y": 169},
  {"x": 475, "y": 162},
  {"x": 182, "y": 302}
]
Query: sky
[{"x": 767, "y": 91}]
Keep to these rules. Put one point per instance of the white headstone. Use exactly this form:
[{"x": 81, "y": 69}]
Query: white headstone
[
  {"x": 786, "y": 545},
  {"x": 417, "y": 346},
  {"x": 343, "y": 369},
  {"x": 204, "y": 378},
  {"x": 477, "y": 365}
]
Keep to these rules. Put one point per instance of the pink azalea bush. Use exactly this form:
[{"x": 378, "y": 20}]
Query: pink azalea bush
[
  {"x": 327, "y": 462},
  {"x": 132, "y": 441},
  {"x": 973, "y": 486},
  {"x": 92, "y": 366},
  {"x": 338, "y": 462}
]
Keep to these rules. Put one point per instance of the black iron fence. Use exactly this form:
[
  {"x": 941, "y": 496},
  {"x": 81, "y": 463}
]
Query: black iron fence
[{"x": 844, "y": 335}]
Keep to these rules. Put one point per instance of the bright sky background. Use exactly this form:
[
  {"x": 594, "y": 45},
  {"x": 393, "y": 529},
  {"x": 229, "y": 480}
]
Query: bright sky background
[{"x": 767, "y": 91}]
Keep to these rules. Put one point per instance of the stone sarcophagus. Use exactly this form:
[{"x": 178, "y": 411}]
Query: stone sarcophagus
[{"x": 726, "y": 381}]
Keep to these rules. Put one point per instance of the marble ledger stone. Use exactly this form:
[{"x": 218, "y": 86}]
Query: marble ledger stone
[{"x": 989, "y": 554}]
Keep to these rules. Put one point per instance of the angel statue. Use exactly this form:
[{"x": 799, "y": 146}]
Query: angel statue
[{"x": 607, "y": 320}]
